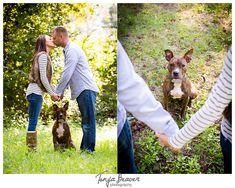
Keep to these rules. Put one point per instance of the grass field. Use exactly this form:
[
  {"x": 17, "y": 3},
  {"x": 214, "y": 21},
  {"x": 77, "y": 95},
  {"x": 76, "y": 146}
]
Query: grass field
[
  {"x": 18, "y": 161},
  {"x": 146, "y": 30}
]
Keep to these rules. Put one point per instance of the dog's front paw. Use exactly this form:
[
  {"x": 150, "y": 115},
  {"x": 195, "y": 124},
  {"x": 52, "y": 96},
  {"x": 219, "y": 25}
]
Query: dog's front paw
[
  {"x": 71, "y": 145},
  {"x": 56, "y": 147}
]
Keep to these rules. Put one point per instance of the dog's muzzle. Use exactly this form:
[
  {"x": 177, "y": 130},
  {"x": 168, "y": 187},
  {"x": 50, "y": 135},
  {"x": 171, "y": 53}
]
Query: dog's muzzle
[{"x": 176, "y": 73}]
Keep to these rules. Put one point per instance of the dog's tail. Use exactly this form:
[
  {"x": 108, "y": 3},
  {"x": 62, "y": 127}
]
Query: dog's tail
[
  {"x": 204, "y": 79},
  {"x": 201, "y": 82}
]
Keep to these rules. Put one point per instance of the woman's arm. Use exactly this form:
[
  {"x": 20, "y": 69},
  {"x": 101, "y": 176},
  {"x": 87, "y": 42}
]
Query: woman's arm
[{"x": 42, "y": 61}]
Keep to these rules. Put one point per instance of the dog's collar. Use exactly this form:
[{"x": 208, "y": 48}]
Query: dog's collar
[
  {"x": 182, "y": 79},
  {"x": 61, "y": 121},
  {"x": 177, "y": 81}
]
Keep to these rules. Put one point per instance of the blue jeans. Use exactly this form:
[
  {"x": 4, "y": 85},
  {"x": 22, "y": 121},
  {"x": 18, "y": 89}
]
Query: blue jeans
[
  {"x": 34, "y": 108},
  {"x": 227, "y": 153},
  {"x": 87, "y": 106},
  {"x": 126, "y": 163}
]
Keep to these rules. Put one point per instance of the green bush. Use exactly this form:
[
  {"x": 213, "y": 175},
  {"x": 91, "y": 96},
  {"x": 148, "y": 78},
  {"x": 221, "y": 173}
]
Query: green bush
[{"x": 23, "y": 23}]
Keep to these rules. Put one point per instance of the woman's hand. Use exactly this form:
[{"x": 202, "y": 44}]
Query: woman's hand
[
  {"x": 164, "y": 141},
  {"x": 55, "y": 97}
]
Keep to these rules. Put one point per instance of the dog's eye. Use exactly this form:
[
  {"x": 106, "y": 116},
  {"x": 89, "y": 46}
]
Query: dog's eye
[{"x": 183, "y": 65}]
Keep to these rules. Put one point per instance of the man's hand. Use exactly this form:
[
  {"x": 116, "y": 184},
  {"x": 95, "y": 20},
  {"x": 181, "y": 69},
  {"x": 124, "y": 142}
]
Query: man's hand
[
  {"x": 61, "y": 97},
  {"x": 163, "y": 139},
  {"x": 55, "y": 97}
]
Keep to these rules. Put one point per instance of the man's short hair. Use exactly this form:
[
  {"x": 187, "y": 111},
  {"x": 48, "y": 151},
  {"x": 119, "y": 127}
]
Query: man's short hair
[{"x": 61, "y": 30}]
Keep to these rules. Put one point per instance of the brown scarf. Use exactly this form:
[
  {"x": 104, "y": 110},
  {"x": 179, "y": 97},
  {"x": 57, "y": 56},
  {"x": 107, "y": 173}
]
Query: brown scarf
[{"x": 34, "y": 75}]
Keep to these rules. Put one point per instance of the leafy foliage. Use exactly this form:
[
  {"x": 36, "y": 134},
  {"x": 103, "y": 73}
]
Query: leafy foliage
[
  {"x": 23, "y": 23},
  {"x": 193, "y": 159}
]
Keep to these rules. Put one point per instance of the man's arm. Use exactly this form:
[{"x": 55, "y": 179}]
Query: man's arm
[
  {"x": 135, "y": 96},
  {"x": 71, "y": 58}
]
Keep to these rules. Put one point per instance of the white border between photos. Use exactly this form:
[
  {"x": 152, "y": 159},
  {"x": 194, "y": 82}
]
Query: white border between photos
[{"x": 79, "y": 180}]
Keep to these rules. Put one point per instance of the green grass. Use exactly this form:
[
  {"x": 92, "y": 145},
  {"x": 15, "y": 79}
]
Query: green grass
[
  {"x": 201, "y": 155},
  {"x": 18, "y": 161},
  {"x": 146, "y": 30}
]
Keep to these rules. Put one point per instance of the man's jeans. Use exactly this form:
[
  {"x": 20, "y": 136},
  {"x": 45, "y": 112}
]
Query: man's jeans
[
  {"x": 87, "y": 106},
  {"x": 126, "y": 163},
  {"x": 34, "y": 108},
  {"x": 227, "y": 153}
]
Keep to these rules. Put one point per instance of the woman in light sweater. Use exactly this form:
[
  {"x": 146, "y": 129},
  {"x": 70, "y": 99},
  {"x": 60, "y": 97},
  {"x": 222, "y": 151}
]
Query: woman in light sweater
[{"x": 40, "y": 78}]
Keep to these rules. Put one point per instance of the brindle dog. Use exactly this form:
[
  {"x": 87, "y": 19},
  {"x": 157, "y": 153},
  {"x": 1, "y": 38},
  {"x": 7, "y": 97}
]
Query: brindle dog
[
  {"x": 61, "y": 132},
  {"x": 176, "y": 84}
]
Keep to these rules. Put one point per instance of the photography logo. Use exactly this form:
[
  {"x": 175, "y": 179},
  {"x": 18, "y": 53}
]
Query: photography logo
[{"x": 118, "y": 180}]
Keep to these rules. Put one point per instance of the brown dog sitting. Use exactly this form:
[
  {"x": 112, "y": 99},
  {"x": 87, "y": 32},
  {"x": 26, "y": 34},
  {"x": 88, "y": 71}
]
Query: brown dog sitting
[
  {"x": 61, "y": 132},
  {"x": 176, "y": 84}
]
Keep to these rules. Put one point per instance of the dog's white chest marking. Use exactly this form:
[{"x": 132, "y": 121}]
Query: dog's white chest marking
[
  {"x": 176, "y": 92},
  {"x": 60, "y": 130}
]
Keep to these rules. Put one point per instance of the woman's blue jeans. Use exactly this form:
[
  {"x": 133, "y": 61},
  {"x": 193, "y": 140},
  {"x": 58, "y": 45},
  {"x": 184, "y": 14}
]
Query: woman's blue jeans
[
  {"x": 34, "y": 108},
  {"x": 87, "y": 106},
  {"x": 126, "y": 163},
  {"x": 227, "y": 153}
]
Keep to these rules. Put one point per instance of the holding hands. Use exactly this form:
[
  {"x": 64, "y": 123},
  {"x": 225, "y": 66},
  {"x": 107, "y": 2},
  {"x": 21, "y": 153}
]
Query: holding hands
[
  {"x": 56, "y": 97},
  {"x": 164, "y": 141}
]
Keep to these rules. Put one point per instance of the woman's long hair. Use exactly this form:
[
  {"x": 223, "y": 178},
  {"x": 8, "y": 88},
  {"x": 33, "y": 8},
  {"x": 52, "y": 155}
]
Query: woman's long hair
[{"x": 40, "y": 45}]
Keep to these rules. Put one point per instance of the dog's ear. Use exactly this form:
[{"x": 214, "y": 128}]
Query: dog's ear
[
  {"x": 66, "y": 106},
  {"x": 188, "y": 55},
  {"x": 168, "y": 55},
  {"x": 55, "y": 107}
]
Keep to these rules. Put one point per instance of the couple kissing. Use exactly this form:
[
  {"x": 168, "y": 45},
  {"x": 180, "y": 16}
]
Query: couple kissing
[{"x": 76, "y": 74}]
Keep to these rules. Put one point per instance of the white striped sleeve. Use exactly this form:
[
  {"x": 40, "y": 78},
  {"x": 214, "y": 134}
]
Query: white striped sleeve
[
  {"x": 42, "y": 61},
  {"x": 212, "y": 110}
]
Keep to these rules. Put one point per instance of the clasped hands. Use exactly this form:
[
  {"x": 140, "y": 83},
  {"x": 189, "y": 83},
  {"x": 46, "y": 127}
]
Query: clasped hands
[
  {"x": 164, "y": 141},
  {"x": 56, "y": 97}
]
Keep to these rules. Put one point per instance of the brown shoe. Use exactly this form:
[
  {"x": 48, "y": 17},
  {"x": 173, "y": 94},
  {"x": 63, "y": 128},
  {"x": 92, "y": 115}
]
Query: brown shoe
[{"x": 31, "y": 141}]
